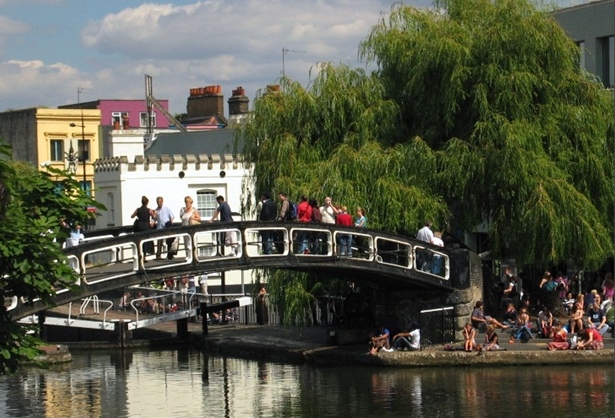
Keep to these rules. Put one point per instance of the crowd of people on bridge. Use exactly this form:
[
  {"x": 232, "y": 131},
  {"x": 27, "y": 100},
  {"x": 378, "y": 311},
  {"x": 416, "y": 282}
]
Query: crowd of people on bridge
[{"x": 308, "y": 210}]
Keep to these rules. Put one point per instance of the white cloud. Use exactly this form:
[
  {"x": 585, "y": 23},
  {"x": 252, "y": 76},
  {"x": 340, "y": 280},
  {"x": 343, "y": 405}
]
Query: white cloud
[
  {"x": 252, "y": 28},
  {"x": 228, "y": 42}
]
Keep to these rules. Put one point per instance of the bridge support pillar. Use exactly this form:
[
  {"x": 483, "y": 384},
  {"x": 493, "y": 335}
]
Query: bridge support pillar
[{"x": 182, "y": 328}]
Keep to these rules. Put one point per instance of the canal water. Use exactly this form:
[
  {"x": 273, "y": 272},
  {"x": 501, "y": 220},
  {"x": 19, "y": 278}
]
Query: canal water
[{"x": 186, "y": 383}]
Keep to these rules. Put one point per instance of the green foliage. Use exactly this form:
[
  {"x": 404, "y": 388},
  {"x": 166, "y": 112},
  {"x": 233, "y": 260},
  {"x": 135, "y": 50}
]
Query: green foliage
[
  {"x": 523, "y": 137},
  {"x": 478, "y": 111},
  {"x": 32, "y": 264}
]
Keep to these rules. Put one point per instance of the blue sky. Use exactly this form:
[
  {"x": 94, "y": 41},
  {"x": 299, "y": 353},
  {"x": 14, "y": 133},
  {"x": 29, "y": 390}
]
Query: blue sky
[{"x": 50, "y": 48}]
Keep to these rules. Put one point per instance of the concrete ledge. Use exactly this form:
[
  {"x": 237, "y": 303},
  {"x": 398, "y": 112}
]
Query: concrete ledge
[{"x": 277, "y": 344}]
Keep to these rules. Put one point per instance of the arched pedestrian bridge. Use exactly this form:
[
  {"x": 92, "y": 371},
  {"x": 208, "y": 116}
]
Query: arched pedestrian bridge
[{"x": 114, "y": 258}]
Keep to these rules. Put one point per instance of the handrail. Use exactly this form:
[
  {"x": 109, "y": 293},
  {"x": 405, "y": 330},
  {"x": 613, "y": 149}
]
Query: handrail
[{"x": 113, "y": 258}]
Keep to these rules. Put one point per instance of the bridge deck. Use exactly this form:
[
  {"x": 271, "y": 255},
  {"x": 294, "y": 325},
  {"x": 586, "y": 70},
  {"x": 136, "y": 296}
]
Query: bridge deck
[{"x": 115, "y": 258}]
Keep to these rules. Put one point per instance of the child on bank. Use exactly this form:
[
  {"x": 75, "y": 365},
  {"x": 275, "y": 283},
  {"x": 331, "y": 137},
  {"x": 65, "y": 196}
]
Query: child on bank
[{"x": 469, "y": 335}]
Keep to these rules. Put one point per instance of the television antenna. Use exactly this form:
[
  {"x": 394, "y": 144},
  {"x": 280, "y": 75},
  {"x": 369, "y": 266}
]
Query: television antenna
[{"x": 286, "y": 51}]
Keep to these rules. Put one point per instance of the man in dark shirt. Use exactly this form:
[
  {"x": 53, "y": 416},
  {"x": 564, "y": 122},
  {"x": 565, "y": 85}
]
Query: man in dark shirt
[
  {"x": 268, "y": 213},
  {"x": 223, "y": 211}
]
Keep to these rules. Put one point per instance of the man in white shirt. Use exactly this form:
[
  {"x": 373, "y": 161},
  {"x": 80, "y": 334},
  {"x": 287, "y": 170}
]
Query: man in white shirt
[
  {"x": 328, "y": 212},
  {"x": 436, "y": 260},
  {"x": 408, "y": 340},
  {"x": 423, "y": 257}
]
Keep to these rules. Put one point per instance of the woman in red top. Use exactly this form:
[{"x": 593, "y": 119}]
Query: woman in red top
[
  {"x": 560, "y": 339},
  {"x": 591, "y": 340},
  {"x": 344, "y": 240}
]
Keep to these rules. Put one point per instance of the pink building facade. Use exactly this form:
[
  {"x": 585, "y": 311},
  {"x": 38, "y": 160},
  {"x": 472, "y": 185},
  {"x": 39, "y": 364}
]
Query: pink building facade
[{"x": 117, "y": 111}]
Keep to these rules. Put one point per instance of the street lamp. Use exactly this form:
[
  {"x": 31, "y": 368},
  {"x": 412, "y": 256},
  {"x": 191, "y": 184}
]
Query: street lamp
[{"x": 83, "y": 154}]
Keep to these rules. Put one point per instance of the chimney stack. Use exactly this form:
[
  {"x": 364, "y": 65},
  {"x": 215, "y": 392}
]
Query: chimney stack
[
  {"x": 238, "y": 103},
  {"x": 205, "y": 101}
]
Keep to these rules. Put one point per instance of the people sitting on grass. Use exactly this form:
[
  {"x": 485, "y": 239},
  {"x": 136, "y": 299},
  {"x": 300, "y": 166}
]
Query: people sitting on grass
[
  {"x": 469, "y": 336},
  {"x": 380, "y": 341},
  {"x": 480, "y": 320},
  {"x": 409, "y": 339},
  {"x": 491, "y": 339},
  {"x": 590, "y": 340},
  {"x": 560, "y": 339}
]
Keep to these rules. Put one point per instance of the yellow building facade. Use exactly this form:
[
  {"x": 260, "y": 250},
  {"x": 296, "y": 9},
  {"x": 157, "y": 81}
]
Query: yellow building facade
[{"x": 66, "y": 139}]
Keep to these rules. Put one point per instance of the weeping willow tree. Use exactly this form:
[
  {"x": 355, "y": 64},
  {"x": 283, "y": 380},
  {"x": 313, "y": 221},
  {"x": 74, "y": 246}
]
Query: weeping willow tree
[
  {"x": 478, "y": 112},
  {"x": 522, "y": 136}
]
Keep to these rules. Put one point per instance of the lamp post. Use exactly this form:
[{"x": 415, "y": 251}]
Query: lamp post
[{"x": 83, "y": 153}]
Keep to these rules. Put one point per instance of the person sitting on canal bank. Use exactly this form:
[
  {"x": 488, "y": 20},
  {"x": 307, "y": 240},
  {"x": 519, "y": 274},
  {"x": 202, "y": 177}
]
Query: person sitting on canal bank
[
  {"x": 491, "y": 339},
  {"x": 408, "y": 339},
  {"x": 469, "y": 337},
  {"x": 590, "y": 340},
  {"x": 609, "y": 313},
  {"x": 380, "y": 341},
  {"x": 576, "y": 319},
  {"x": 480, "y": 320},
  {"x": 510, "y": 314},
  {"x": 596, "y": 317},
  {"x": 568, "y": 303},
  {"x": 522, "y": 327},
  {"x": 560, "y": 339},
  {"x": 545, "y": 322}
]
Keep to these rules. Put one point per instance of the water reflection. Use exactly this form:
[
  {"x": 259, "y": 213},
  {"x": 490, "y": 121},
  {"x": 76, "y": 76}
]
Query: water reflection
[{"x": 188, "y": 384}]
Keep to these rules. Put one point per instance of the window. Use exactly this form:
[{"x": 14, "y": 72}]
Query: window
[
  {"x": 581, "y": 46},
  {"x": 83, "y": 150},
  {"x": 118, "y": 117},
  {"x": 206, "y": 203},
  {"x": 143, "y": 119},
  {"x": 57, "y": 150},
  {"x": 86, "y": 186},
  {"x": 605, "y": 63}
]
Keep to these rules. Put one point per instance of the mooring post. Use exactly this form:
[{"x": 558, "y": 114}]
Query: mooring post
[
  {"x": 204, "y": 318},
  {"x": 182, "y": 328},
  {"x": 122, "y": 334},
  {"x": 42, "y": 333}
]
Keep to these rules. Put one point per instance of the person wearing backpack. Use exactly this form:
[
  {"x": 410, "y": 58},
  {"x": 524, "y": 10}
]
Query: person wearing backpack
[{"x": 267, "y": 213}]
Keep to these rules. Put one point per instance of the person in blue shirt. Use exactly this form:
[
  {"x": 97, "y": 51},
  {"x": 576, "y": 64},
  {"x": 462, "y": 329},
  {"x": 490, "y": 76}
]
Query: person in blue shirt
[
  {"x": 380, "y": 341},
  {"x": 164, "y": 219}
]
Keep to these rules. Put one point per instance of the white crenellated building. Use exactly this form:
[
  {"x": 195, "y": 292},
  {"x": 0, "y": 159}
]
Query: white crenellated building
[
  {"x": 200, "y": 164},
  {"x": 121, "y": 181}
]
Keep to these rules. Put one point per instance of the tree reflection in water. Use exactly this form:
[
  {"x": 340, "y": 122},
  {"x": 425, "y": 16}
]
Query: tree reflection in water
[{"x": 187, "y": 383}]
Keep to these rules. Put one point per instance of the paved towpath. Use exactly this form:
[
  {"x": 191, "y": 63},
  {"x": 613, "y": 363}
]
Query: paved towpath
[{"x": 309, "y": 345}]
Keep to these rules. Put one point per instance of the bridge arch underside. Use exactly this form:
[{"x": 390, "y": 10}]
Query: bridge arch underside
[{"x": 383, "y": 261}]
